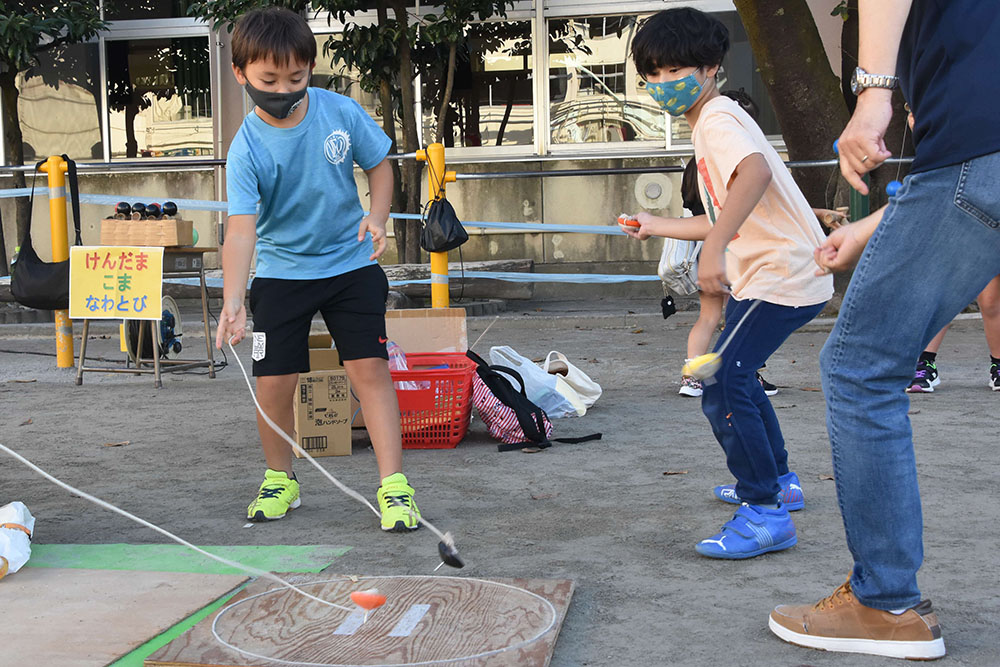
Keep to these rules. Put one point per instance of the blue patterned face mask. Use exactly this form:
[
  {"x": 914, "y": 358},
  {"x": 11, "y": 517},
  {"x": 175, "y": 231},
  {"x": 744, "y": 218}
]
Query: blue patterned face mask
[{"x": 675, "y": 97}]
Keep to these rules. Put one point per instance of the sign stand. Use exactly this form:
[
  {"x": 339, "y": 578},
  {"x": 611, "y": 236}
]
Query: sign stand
[{"x": 177, "y": 263}]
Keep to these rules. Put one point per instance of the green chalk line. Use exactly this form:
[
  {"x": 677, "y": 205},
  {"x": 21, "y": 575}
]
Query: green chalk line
[
  {"x": 137, "y": 657},
  {"x": 177, "y": 558}
]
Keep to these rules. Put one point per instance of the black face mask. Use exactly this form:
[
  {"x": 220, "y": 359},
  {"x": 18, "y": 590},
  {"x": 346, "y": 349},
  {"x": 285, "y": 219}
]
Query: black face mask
[{"x": 279, "y": 105}]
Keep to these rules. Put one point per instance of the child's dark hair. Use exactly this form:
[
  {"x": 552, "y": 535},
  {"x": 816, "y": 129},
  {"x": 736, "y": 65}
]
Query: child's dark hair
[
  {"x": 746, "y": 102},
  {"x": 681, "y": 37},
  {"x": 689, "y": 189},
  {"x": 272, "y": 33}
]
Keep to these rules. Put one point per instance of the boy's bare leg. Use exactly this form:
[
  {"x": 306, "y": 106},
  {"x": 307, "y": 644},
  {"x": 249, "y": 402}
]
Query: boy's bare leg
[
  {"x": 935, "y": 343},
  {"x": 708, "y": 321},
  {"x": 275, "y": 394},
  {"x": 989, "y": 306},
  {"x": 372, "y": 384}
]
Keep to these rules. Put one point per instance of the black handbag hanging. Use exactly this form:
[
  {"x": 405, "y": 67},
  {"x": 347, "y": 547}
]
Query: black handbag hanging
[
  {"x": 38, "y": 284},
  {"x": 443, "y": 231}
]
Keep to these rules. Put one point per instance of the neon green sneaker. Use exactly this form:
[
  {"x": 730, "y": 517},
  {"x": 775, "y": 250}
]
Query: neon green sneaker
[
  {"x": 395, "y": 502},
  {"x": 277, "y": 495}
]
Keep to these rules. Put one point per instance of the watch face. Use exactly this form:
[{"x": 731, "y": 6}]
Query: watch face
[{"x": 855, "y": 86}]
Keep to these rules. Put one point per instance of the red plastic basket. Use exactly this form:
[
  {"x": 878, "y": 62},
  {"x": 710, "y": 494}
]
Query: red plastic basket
[{"x": 435, "y": 413}]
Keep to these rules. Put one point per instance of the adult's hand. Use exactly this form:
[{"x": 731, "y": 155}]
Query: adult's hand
[{"x": 862, "y": 144}]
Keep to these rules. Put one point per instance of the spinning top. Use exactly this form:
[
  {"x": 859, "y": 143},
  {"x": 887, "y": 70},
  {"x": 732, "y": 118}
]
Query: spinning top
[{"x": 703, "y": 366}]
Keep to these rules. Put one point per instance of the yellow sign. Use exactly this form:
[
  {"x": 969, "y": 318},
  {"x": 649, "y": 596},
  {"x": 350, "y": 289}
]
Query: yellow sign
[{"x": 115, "y": 283}]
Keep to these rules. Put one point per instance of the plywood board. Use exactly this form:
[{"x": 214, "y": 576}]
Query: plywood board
[
  {"x": 76, "y": 617},
  {"x": 426, "y": 620}
]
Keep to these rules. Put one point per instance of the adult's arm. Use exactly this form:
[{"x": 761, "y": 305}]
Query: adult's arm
[{"x": 862, "y": 144}]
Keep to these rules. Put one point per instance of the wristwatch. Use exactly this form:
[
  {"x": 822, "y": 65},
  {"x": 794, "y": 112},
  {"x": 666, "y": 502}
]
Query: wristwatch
[{"x": 862, "y": 79}]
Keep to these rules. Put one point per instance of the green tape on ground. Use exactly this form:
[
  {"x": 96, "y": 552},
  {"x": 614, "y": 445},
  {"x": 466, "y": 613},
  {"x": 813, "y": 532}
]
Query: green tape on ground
[
  {"x": 178, "y": 558},
  {"x": 137, "y": 657}
]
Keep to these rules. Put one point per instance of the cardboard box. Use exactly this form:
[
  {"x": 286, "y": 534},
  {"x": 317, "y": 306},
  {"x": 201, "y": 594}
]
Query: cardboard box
[
  {"x": 428, "y": 329},
  {"x": 421, "y": 330},
  {"x": 322, "y": 403},
  {"x": 165, "y": 233}
]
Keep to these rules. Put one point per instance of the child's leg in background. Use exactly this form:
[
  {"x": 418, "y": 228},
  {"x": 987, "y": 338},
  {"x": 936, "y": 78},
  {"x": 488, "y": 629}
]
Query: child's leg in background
[
  {"x": 989, "y": 306},
  {"x": 710, "y": 311},
  {"x": 935, "y": 343},
  {"x": 372, "y": 383},
  {"x": 276, "y": 395},
  {"x": 735, "y": 404}
]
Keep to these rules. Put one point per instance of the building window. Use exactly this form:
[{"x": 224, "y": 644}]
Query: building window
[
  {"x": 491, "y": 102},
  {"x": 346, "y": 81},
  {"x": 159, "y": 97},
  {"x": 595, "y": 94},
  {"x": 59, "y": 104},
  {"x": 739, "y": 71}
]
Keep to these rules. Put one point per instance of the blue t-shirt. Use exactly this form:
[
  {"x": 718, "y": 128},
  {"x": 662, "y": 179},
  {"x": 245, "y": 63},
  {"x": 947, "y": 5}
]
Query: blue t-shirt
[
  {"x": 303, "y": 177},
  {"x": 948, "y": 72}
]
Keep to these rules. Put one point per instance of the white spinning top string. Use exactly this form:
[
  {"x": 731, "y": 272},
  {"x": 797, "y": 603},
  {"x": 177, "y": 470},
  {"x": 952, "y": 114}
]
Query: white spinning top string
[
  {"x": 225, "y": 561},
  {"x": 448, "y": 542}
]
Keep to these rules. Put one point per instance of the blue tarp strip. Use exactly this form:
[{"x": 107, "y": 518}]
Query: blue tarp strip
[{"x": 207, "y": 205}]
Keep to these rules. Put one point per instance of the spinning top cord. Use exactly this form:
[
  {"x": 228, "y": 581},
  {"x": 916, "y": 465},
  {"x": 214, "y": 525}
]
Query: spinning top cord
[
  {"x": 757, "y": 302},
  {"x": 225, "y": 561},
  {"x": 444, "y": 537}
]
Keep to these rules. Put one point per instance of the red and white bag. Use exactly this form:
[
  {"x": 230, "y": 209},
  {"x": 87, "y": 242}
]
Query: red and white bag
[{"x": 501, "y": 419}]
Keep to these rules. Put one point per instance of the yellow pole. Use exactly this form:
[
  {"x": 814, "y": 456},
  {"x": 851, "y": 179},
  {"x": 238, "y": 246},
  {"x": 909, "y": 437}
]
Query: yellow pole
[
  {"x": 436, "y": 179},
  {"x": 56, "y": 167}
]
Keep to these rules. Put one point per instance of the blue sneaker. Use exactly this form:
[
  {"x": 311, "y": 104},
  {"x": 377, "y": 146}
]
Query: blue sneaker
[
  {"x": 753, "y": 530},
  {"x": 791, "y": 496}
]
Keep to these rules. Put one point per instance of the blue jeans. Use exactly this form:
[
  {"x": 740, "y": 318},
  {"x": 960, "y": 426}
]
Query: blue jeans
[
  {"x": 741, "y": 415},
  {"x": 936, "y": 248}
]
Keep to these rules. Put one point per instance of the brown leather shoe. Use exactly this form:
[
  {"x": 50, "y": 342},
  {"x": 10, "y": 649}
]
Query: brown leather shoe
[{"x": 841, "y": 623}]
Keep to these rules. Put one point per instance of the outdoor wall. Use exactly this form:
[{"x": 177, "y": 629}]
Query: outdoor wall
[{"x": 132, "y": 187}]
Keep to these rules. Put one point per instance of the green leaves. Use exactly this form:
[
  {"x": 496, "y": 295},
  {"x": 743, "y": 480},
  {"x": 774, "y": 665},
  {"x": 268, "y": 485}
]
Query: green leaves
[{"x": 27, "y": 28}]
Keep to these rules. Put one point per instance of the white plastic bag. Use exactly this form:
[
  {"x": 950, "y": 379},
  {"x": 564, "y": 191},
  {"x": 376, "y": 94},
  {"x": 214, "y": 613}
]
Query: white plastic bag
[
  {"x": 549, "y": 392},
  {"x": 16, "y": 527},
  {"x": 589, "y": 391},
  {"x": 678, "y": 267}
]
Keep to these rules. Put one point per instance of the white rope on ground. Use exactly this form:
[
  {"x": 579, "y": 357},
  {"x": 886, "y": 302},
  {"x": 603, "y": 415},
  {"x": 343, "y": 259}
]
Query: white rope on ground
[
  {"x": 444, "y": 537},
  {"x": 225, "y": 561}
]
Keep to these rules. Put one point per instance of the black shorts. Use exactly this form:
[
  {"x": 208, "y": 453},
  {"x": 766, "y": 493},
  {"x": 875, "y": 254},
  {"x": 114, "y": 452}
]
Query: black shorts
[{"x": 352, "y": 305}]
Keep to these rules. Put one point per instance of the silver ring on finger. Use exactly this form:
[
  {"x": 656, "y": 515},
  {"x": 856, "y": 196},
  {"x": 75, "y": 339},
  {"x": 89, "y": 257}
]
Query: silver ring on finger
[{"x": 864, "y": 159}]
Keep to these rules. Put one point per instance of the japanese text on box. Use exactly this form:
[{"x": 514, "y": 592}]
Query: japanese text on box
[{"x": 115, "y": 282}]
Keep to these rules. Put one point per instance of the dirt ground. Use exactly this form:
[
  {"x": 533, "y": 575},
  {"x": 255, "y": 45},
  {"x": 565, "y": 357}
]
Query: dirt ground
[{"x": 603, "y": 513}]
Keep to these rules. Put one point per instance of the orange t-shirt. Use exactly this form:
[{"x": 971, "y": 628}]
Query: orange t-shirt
[{"x": 771, "y": 256}]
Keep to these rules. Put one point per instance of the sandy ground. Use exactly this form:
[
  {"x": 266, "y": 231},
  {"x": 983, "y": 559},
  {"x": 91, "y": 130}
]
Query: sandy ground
[{"x": 602, "y": 513}]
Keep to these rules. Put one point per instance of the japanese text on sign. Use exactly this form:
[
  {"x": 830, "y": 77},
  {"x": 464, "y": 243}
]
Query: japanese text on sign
[{"x": 115, "y": 282}]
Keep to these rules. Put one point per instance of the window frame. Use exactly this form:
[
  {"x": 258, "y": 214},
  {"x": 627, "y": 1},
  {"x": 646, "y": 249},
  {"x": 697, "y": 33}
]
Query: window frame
[
  {"x": 538, "y": 12},
  {"x": 140, "y": 29}
]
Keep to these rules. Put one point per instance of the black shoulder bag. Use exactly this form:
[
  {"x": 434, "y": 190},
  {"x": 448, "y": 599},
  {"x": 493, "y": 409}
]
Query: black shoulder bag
[
  {"x": 443, "y": 230},
  {"x": 530, "y": 417},
  {"x": 38, "y": 284}
]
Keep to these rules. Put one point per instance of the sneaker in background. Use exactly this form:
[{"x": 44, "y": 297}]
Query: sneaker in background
[
  {"x": 769, "y": 389},
  {"x": 925, "y": 379},
  {"x": 395, "y": 502},
  {"x": 753, "y": 530},
  {"x": 995, "y": 377},
  {"x": 276, "y": 496},
  {"x": 791, "y": 496},
  {"x": 690, "y": 386},
  {"x": 841, "y": 623}
]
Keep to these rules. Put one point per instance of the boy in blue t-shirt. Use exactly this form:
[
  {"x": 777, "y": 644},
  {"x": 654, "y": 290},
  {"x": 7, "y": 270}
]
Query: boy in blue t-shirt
[{"x": 292, "y": 195}]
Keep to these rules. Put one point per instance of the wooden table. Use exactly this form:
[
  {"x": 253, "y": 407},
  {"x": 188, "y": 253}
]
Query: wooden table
[{"x": 177, "y": 263}]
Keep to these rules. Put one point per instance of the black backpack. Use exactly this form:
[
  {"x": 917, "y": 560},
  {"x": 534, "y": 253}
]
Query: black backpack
[
  {"x": 442, "y": 231},
  {"x": 530, "y": 417}
]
